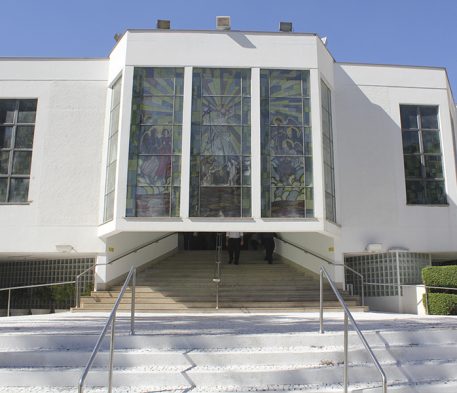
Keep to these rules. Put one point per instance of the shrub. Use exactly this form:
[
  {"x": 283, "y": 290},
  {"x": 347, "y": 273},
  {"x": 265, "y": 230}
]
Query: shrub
[
  {"x": 440, "y": 276},
  {"x": 441, "y": 301},
  {"x": 63, "y": 295},
  {"x": 442, "y": 304}
]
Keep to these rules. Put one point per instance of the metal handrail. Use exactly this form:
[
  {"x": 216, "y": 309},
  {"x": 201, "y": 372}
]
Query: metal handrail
[
  {"x": 330, "y": 262},
  {"x": 136, "y": 249},
  {"x": 9, "y": 289},
  {"x": 112, "y": 321},
  {"x": 78, "y": 289},
  {"x": 347, "y": 315}
]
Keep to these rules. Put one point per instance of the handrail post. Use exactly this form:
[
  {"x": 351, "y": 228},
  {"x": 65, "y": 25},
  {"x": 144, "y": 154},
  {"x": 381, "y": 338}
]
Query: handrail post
[
  {"x": 132, "y": 307},
  {"x": 363, "y": 291},
  {"x": 321, "y": 301},
  {"x": 346, "y": 340},
  {"x": 111, "y": 355},
  {"x": 78, "y": 294},
  {"x": 9, "y": 303}
]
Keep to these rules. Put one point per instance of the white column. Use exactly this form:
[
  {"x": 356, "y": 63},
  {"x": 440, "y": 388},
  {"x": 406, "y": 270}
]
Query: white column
[
  {"x": 256, "y": 190},
  {"x": 185, "y": 152}
]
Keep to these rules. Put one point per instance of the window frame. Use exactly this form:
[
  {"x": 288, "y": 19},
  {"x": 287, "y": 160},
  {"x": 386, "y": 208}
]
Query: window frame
[
  {"x": 12, "y": 149},
  {"x": 422, "y": 154}
]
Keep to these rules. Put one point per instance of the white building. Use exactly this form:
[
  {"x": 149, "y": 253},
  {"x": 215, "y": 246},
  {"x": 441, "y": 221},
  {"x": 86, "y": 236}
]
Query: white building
[{"x": 215, "y": 131}]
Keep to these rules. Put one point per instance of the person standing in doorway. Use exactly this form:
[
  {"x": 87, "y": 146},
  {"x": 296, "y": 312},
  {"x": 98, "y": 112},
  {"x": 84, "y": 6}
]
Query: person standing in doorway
[
  {"x": 269, "y": 244},
  {"x": 234, "y": 241}
]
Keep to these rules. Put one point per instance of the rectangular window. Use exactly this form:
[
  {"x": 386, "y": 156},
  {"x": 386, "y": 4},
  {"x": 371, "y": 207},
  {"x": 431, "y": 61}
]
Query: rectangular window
[
  {"x": 422, "y": 155},
  {"x": 17, "y": 126},
  {"x": 111, "y": 162},
  {"x": 327, "y": 142},
  {"x": 220, "y": 181},
  {"x": 286, "y": 144},
  {"x": 154, "y": 172}
]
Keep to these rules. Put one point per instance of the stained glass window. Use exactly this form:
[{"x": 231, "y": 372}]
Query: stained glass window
[
  {"x": 113, "y": 139},
  {"x": 220, "y": 181},
  {"x": 154, "y": 173},
  {"x": 286, "y": 144},
  {"x": 17, "y": 126},
  {"x": 327, "y": 142},
  {"x": 422, "y": 155}
]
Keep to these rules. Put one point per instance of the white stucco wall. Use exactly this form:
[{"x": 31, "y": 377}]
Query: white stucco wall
[
  {"x": 66, "y": 160},
  {"x": 372, "y": 196}
]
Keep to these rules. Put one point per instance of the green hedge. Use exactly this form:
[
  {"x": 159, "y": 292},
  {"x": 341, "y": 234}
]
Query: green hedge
[
  {"x": 440, "y": 276},
  {"x": 441, "y": 302}
]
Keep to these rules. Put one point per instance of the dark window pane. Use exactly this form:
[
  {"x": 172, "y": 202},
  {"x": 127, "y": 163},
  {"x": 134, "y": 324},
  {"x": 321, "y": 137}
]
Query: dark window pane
[
  {"x": 5, "y": 137},
  {"x": 246, "y": 202},
  {"x": 410, "y": 142},
  {"x": 176, "y": 171},
  {"x": 109, "y": 207},
  {"x": 175, "y": 198},
  {"x": 429, "y": 117},
  {"x": 155, "y": 140},
  {"x": 308, "y": 171},
  {"x": 286, "y": 83},
  {"x": 246, "y": 140},
  {"x": 408, "y": 117},
  {"x": 21, "y": 162},
  {"x": 246, "y": 170},
  {"x": 220, "y": 81},
  {"x": 177, "y": 119},
  {"x": 220, "y": 201},
  {"x": 436, "y": 194},
  {"x": 7, "y": 109},
  {"x": 177, "y": 139},
  {"x": 288, "y": 202},
  {"x": 287, "y": 171},
  {"x": 431, "y": 141},
  {"x": 4, "y": 162},
  {"x": 19, "y": 190},
  {"x": 246, "y": 111},
  {"x": 154, "y": 171},
  {"x": 3, "y": 189},
  {"x": 220, "y": 140},
  {"x": 27, "y": 111},
  {"x": 286, "y": 141},
  {"x": 157, "y": 110},
  {"x": 153, "y": 202},
  {"x": 220, "y": 170},
  {"x": 221, "y": 110},
  {"x": 412, "y": 166},
  {"x": 415, "y": 192},
  {"x": 308, "y": 142},
  {"x": 309, "y": 201},
  {"x": 286, "y": 111},
  {"x": 433, "y": 167},
  {"x": 24, "y": 137}
]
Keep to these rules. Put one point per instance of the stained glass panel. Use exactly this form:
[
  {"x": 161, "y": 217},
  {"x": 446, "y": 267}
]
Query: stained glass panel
[
  {"x": 220, "y": 143},
  {"x": 220, "y": 140},
  {"x": 220, "y": 201},
  {"x": 284, "y": 112},
  {"x": 155, "y": 143}
]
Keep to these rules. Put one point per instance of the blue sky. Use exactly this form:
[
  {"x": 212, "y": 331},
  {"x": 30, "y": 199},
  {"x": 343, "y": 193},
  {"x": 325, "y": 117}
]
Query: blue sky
[{"x": 412, "y": 32}]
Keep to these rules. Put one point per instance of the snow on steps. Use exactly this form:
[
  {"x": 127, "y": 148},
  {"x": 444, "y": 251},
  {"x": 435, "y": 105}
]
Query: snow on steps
[{"x": 233, "y": 353}]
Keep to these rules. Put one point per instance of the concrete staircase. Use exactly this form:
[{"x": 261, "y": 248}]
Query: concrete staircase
[
  {"x": 184, "y": 354},
  {"x": 183, "y": 282}
]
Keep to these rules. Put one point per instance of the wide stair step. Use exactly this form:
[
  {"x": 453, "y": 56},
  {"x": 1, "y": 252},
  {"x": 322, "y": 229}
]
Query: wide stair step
[{"x": 184, "y": 281}]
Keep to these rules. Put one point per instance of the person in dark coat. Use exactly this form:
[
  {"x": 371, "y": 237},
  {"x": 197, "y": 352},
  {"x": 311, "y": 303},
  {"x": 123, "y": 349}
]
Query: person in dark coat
[{"x": 268, "y": 242}]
